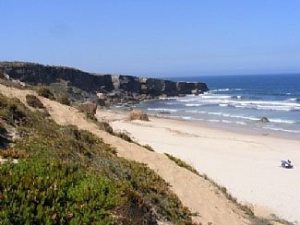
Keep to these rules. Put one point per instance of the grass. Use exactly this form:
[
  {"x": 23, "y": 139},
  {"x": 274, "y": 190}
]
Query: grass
[
  {"x": 183, "y": 164},
  {"x": 69, "y": 176}
]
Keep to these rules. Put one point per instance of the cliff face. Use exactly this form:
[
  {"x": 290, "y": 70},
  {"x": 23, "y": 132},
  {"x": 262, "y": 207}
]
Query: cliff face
[{"x": 35, "y": 74}]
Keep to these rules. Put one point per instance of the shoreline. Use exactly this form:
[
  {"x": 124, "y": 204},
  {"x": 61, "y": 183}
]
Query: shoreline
[
  {"x": 246, "y": 163},
  {"x": 233, "y": 128}
]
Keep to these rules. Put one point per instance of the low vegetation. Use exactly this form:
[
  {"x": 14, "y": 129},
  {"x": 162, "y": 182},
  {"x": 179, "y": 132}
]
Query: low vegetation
[
  {"x": 2, "y": 75},
  {"x": 148, "y": 147},
  {"x": 45, "y": 92},
  {"x": 181, "y": 163},
  {"x": 124, "y": 136},
  {"x": 64, "y": 100},
  {"x": 34, "y": 102},
  {"x": 4, "y": 140},
  {"x": 69, "y": 176},
  {"x": 105, "y": 126}
]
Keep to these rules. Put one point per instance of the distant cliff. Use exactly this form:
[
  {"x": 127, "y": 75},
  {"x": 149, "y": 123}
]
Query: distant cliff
[{"x": 34, "y": 74}]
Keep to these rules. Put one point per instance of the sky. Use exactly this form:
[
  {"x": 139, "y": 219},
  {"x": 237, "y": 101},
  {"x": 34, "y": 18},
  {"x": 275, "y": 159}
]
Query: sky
[{"x": 154, "y": 37}]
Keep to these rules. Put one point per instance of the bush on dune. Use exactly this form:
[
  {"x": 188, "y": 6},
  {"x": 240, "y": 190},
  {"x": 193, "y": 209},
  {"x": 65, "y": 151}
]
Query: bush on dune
[
  {"x": 69, "y": 176},
  {"x": 49, "y": 192},
  {"x": 45, "y": 92},
  {"x": 34, "y": 102},
  {"x": 64, "y": 100}
]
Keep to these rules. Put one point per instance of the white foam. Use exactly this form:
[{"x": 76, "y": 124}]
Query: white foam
[
  {"x": 186, "y": 117},
  {"x": 228, "y": 101},
  {"x": 275, "y": 120},
  {"x": 192, "y": 104},
  {"x": 226, "y": 121},
  {"x": 162, "y": 109},
  {"x": 215, "y": 97},
  {"x": 240, "y": 123},
  {"x": 168, "y": 98},
  {"x": 225, "y": 90},
  {"x": 171, "y": 103},
  {"x": 284, "y": 130},
  {"x": 191, "y": 111},
  {"x": 223, "y": 104},
  {"x": 220, "y": 90},
  {"x": 215, "y": 113},
  {"x": 214, "y": 121}
]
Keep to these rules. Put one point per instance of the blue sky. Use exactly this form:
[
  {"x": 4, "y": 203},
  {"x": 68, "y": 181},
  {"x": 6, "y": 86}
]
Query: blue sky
[{"x": 155, "y": 37}]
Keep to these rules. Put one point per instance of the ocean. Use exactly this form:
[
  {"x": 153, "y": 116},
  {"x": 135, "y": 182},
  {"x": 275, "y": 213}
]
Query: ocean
[{"x": 238, "y": 101}]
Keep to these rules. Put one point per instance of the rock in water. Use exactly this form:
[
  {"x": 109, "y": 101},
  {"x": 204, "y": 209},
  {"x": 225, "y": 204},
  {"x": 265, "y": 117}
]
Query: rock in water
[
  {"x": 264, "y": 120},
  {"x": 138, "y": 115}
]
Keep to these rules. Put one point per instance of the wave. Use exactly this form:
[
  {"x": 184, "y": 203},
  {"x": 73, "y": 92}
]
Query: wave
[
  {"x": 275, "y": 120},
  {"x": 243, "y": 117},
  {"x": 216, "y": 97},
  {"x": 236, "y": 101},
  {"x": 171, "y": 103},
  {"x": 225, "y": 90},
  {"x": 293, "y": 100},
  {"x": 168, "y": 98},
  {"x": 186, "y": 117},
  {"x": 192, "y": 105},
  {"x": 162, "y": 110},
  {"x": 227, "y": 122},
  {"x": 220, "y": 90},
  {"x": 282, "y": 129}
]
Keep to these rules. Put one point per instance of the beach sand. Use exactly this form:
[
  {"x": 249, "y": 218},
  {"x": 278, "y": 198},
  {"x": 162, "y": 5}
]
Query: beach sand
[{"x": 248, "y": 165}]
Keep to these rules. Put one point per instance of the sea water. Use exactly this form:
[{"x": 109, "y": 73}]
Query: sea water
[{"x": 238, "y": 101}]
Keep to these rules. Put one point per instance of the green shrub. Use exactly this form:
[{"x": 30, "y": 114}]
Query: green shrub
[
  {"x": 34, "y": 102},
  {"x": 45, "y": 92},
  {"x": 41, "y": 192},
  {"x": 70, "y": 176},
  {"x": 12, "y": 111}
]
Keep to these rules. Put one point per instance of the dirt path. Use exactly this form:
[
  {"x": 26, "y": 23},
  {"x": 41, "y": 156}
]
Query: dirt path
[{"x": 196, "y": 193}]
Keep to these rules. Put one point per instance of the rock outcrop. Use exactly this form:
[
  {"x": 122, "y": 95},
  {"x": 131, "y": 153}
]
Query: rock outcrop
[
  {"x": 117, "y": 86},
  {"x": 138, "y": 115}
]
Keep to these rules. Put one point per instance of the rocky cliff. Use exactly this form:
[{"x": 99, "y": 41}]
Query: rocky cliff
[{"x": 34, "y": 74}]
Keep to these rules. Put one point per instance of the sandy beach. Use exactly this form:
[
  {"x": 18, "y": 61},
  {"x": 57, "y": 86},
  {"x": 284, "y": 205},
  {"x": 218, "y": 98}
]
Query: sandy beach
[{"x": 248, "y": 165}]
